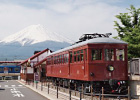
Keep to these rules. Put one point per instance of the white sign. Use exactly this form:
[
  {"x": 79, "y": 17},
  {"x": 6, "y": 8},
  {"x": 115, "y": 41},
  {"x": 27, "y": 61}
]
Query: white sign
[
  {"x": 29, "y": 70},
  {"x": 138, "y": 90}
]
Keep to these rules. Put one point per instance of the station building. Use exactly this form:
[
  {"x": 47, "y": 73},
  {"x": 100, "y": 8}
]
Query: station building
[{"x": 31, "y": 70}]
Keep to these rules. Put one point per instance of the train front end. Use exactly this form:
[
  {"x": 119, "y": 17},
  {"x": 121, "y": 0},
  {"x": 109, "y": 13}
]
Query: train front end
[{"x": 108, "y": 65}]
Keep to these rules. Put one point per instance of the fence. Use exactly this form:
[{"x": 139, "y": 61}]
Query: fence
[{"x": 69, "y": 94}]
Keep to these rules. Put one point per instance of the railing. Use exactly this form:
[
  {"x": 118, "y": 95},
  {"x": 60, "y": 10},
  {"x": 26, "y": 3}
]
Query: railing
[{"x": 67, "y": 93}]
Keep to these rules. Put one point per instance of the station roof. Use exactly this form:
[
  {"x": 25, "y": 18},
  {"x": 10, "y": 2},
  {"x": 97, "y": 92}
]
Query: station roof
[
  {"x": 40, "y": 62},
  {"x": 10, "y": 61},
  {"x": 37, "y": 54}
]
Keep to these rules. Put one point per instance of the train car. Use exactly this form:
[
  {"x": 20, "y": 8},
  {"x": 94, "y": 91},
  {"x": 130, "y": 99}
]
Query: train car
[
  {"x": 96, "y": 60},
  {"x": 9, "y": 71}
]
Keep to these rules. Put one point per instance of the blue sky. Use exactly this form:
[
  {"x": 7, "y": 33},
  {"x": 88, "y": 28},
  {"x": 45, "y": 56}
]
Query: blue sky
[{"x": 71, "y": 18}]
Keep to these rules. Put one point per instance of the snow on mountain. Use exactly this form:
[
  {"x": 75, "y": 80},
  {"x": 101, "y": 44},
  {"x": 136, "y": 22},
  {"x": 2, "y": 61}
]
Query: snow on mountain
[{"x": 34, "y": 34}]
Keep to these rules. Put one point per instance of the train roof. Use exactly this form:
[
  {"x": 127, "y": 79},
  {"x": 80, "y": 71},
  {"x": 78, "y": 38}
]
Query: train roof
[{"x": 100, "y": 40}]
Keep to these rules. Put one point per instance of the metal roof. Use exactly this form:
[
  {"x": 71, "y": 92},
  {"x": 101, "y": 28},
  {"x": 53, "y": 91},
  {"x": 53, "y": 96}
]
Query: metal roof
[{"x": 100, "y": 40}]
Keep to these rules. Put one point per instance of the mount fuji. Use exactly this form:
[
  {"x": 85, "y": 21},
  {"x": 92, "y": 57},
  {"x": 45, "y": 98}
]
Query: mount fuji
[
  {"x": 22, "y": 44},
  {"x": 34, "y": 34}
]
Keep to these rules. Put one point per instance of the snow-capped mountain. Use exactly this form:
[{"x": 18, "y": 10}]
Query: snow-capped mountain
[
  {"x": 22, "y": 44},
  {"x": 34, "y": 34}
]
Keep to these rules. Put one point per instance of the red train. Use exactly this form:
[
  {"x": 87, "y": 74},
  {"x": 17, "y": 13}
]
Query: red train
[{"x": 95, "y": 60}]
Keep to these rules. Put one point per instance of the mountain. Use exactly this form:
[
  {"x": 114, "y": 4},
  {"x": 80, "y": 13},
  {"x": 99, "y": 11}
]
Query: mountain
[
  {"x": 34, "y": 34},
  {"x": 22, "y": 44}
]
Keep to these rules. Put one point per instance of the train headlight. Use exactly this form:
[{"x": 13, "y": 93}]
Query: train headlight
[{"x": 110, "y": 68}]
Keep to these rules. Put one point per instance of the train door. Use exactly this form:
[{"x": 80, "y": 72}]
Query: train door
[
  {"x": 85, "y": 60},
  {"x": 77, "y": 64},
  {"x": 81, "y": 60}
]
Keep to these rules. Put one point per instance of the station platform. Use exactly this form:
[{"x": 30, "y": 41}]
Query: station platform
[
  {"x": 43, "y": 90},
  {"x": 63, "y": 94}
]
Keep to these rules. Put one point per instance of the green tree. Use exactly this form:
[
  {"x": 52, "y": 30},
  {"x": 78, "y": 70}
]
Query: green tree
[{"x": 129, "y": 30}]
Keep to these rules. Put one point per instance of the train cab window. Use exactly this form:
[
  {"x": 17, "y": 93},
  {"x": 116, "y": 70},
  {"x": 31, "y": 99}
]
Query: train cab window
[
  {"x": 109, "y": 54},
  {"x": 96, "y": 54},
  {"x": 1, "y": 69},
  {"x": 17, "y": 69},
  {"x": 120, "y": 54}
]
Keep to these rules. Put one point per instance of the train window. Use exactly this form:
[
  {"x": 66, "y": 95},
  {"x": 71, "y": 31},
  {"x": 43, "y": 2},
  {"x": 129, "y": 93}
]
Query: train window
[
  {"x": 62, "y": 58},
  {"x": 10, "y": 69},
  {"x": 67, "y": 57},
  {"x": 82, "y": 55},
  {"x": 58, "y": 59},
  {"x": 78, "y": 52},
  {"x": 70, "y": 57},
  {"x": 96, "y": 54},
  {"x": 1, "y": 69},
  {"x": 81, "y": 51},
  {"x": 55, "y": 60},
  {"x": 52, "y": 60},
  {"x": 75, "y": 56},
  {"x": 78, "y": 55},
  {"x": 109, "y": 54},
  {"x": 78, "y": 58},
  {"x": 49, "y": 61},
  {"x": 85, "y": 54},
  {"x": 17, "y": 69},
  {"x": 120, "y": 54}
]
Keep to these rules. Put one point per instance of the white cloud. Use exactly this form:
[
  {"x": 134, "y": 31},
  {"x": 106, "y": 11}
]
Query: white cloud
[{"x": 71, "y": 18}]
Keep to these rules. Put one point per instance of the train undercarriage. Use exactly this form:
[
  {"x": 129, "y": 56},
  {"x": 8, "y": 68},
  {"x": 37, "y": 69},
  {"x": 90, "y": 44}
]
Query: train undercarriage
[{"x": 108, "y": 86}]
